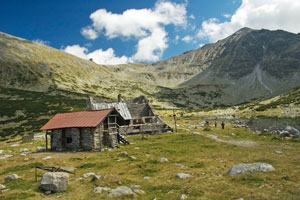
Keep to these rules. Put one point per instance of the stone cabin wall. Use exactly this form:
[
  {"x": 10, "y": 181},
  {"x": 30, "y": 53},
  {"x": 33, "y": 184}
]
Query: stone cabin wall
[{"x": 87, "y": 138}]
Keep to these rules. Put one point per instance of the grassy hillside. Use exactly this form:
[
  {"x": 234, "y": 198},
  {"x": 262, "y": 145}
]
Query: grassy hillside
[{"x": 204, "y": 158}]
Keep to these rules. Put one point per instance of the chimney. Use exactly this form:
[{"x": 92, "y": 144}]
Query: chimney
[{"x": 119, "y": 98}]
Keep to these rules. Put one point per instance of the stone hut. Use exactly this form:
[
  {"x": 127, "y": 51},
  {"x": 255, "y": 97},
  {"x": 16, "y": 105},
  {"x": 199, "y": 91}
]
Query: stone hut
[
  {"x": 86, "y": 130},
  {"x": 138, "y": 114}
]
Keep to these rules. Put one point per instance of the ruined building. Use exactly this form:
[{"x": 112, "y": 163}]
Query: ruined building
[
  {"x": 138, "y": 115},
  {"x": 103, "y": 124},
  {"x": 86, "y": 130}
]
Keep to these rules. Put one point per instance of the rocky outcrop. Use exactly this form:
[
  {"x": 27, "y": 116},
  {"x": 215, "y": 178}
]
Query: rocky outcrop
[
  {"x": 11, "y": 177},
  {"x": 54, "y": 182},
  {"x": 250, "y": 168}
]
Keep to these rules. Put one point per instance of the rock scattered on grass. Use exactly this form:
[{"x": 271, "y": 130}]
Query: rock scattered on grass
[
  {"x": 124, "y": 153},
  {"x": 183, "y": 197},
  {"x": 250, "y": 168},
  {"x": 2, "y": 187},
  {"x": 119, "y": 191},
  {"x": 163, "y": 159},
  {"x": 132, "y": 157},
  {"x": 278, "y": 152},
  {"x": 138, "y": 191},
  {"x": 101, "y": 189},
  {"x": 1, "y": 151},
  {"x": 11, "y": 177},
  {"x": 5, "y": 156},
  {"x": 54, "y": 182},
  {"x": 179, "y": 165},
  {"x": 88, "y": 174},
  {"x": 47, "y": 157},
  {"x": 146, "y": 177},
  {"x": 24, "y": 150},
  {"x": 183, "y": 175},
  {"x": 135, "y": 186},
  {"x": 14, "y": 145},
  {"x": 41, "y": 149}
]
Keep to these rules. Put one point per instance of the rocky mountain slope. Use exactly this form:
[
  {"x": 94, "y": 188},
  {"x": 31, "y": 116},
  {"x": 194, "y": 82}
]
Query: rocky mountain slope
[
  {"x": 251, "y": 64},
  {"x": 37, "y": 81}
]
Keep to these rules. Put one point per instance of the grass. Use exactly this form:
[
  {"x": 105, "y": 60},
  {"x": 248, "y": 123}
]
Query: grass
[{"x": 205, "y": 159}]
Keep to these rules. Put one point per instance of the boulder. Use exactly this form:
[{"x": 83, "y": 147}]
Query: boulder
[
  {"x": 292, "y": 131},
  {"x": 250, "y": 168},
  {"x": 163, "y": 159},
  {"x": 11, "y": 177},
  {"x": 2, "y": 187},
  {"x": 120, "y": 191},
  {"x": 101, "y": 189},
  {"x": 54, "y": 181},
  {"x": 183, "y": 175}
]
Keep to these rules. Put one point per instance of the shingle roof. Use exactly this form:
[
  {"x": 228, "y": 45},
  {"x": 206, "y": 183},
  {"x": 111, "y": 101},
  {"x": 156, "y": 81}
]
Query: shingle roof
[
  {"x": 77, "y": 119},
  {"x": 121, "y": 107}
]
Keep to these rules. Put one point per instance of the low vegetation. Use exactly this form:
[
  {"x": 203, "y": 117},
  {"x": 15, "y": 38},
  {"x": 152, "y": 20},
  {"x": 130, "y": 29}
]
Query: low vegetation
[{"x": 205, "y": 159}]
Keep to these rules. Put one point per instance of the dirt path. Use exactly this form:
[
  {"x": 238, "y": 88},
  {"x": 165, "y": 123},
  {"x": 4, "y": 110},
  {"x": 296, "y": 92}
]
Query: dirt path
[{"x": 241, "y": 143}]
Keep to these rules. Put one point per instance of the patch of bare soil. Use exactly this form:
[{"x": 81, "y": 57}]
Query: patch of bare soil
[{"x": 241, "y": 143}]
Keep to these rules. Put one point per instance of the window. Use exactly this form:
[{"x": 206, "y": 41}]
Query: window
[{"x": 69, "y": 140}]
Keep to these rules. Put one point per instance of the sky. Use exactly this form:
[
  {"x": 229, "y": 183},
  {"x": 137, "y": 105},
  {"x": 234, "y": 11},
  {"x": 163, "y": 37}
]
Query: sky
[{"x": 128, "y": 31}]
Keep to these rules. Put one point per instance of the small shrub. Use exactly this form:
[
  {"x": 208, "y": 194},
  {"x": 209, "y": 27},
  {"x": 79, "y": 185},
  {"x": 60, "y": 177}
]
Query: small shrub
[
  {"x": 87, "y": 165},
  {"x": 207, "y": 129},
  {"x": 198, "y": 165}
]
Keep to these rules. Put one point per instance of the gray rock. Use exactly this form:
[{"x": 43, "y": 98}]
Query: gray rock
[
  {"x": 163, "y": 159},
  {"x": 41, "y": 149},
  {"x": 11, "y": 177},
  {"x": 137, "y": 191},
  {"x": 2, "y": 187},
  {"x": 5, "y": 156},
  {"x": 101, "y": 189},
  {"x": 1, "y": 151},
  {"x": 146, "y": 177},
  {"x": 179, "y": 165},
  {"x": 48, "y": 192},
  {"x": 183, "y": 175},
  {"x": 292, "y": 131},
  {"x": 89, "y": 174},
  {"x": 135, "y": 186},
  {"x": 14, "y": 145},
  {"x": 132, "y": 157},
  {"x": 24, "y": 150},
  {"x": 119, "y": 191},
  {"x": 278, "y": 152},
  {"x": 54, "y": 181},
  {"x": 47, "y": 157},
  {"x": 250, "y": 168},
  {"x": 124, "y": 153},
  {"x": 183, "y": 197}
]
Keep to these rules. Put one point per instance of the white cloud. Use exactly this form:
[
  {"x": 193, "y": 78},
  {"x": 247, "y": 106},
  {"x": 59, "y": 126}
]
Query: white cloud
[
  {"x": 256, "y": 14},
  {"x": 226, "y": 15},
  {"x": 89, "y": 33},
  {"x": 145, "y": 25},
  {"x": 99, "y": 56},
  {"x": 187, "y": 39},
  {"x": 40, "y": 41},
  {"x": 192, "y": 16}
]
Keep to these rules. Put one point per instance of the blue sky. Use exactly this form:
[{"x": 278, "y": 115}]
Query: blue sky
[{"x": 122, "y": 31}]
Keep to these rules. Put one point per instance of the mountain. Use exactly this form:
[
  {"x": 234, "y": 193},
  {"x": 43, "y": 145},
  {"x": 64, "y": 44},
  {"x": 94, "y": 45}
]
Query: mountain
[
  {"x": 37, "y": 81},
  {"x": 247, "y": 65}
]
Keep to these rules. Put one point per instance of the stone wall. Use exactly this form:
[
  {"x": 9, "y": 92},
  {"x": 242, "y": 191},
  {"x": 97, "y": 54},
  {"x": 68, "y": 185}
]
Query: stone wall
[
  {"x": 56, "y": 140},
  {"x": 98, "y": 137},
  {"x": 73, "y": 142},
  {"x": 86, "y": 138}
]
